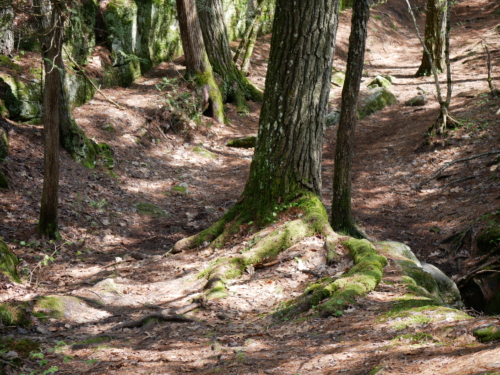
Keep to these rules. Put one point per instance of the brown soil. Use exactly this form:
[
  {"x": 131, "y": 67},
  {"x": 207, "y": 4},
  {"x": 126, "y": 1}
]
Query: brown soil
[{"x": 107, "y": 237}]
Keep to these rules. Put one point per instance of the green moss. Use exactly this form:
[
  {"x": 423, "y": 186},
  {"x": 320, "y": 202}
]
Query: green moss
[
  {"x": 423, "y": 283},
  {"x": 338, "y": 78},
  {"x": 489, "y": 240},
  {"x": 203, "y": 152},
  {"x": 14, "y": 314},
  {"x": 150, "y": 209},
  {"x": 181, "y": 189},
  {"x": 23, "y": 347},
  {"x": 107, "y": 155},
  {"x": 379, "y": 81},
  {"x": 51, "y": 306},
  {"x": 487, "y": 334},
  {"x": 8, "y": 261},
  {"x": 22, "y": 99},
  {"x": 6, "y": 62},
  {"x": 378, "y": 99},
  {"x": 247, "y": 142},
  {"x": 416, "y": 338}
]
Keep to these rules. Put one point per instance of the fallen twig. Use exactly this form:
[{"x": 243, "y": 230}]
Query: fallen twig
[
  {"x": 459, "y": 180},
  {"x": 438, "y": 172},
  {"x": 170, "y": 315}
]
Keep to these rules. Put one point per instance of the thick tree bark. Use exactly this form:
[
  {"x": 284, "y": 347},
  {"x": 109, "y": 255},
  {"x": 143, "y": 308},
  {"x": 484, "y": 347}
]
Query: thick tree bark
[
  {"x": 287, "y": 158},
  {"x": 52, "y": 47},
  {"x": 197, "y": 64},
  {"x": 341, "y": 219},
  {"x": 435, "y": 31},
  {"x": 236, "y": 86},
  {"x": 6, "y": 29}
]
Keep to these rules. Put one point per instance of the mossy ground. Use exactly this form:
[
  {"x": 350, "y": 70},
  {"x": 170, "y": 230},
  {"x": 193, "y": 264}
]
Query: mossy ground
[{"x": 149, "y": 209}]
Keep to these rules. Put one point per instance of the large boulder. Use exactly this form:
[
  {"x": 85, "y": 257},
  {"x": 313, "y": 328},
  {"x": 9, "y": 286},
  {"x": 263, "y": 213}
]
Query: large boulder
[
  {"x": 380, "y": 81},
  {"x": 379, "y": 98},
  {"x": 448, "y": 290},
  {"x": 22, "y": 98},
  {"x": 8, "y": 263}
]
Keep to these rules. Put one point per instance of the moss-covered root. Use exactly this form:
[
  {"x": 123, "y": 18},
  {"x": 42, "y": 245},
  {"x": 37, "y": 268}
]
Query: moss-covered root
[
  {"x": 219, "y": 272},
  {"x": 487, "y": 333},
  {"x": 246, "y": 142},
  {"x": 211, "y": 93},
  {"x": 341, "y": 292}
]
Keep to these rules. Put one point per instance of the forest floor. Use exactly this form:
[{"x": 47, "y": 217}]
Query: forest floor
[{"x": 115, "y": 241}]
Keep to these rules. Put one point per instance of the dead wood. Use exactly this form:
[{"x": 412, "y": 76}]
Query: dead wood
[{"x": 438, "y": 172}]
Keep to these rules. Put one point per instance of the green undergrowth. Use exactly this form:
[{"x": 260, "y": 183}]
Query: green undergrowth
[
  {"x": 416, "y": 338},
  {"x": 488, "y": 333},
  {"x": 15, "y": 314},
  {"x": 330, "y": 296}
]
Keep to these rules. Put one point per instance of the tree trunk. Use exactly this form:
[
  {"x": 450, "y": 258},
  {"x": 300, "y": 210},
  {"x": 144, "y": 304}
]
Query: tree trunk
[
  {"x": 435, "y": 30},
  {"x": 254, "y": 18},
  {"x": 250, "y": 44},
  {"x": 341, "y": 219},
  {"x": 6, "y": 30},
  {"x": 236, "y": 86},
  {"x": 52, "y": 48},
  {"x": 71, "y": 135},
  {"x": 197, "y": 64},
  {"x": 287, "y": 158}
]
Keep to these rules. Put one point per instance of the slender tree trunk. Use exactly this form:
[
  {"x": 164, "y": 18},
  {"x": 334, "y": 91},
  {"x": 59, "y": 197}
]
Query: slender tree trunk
[
  {"x": 52, "y": 48},
  {"x": 435, "y": 31},
  {"x": 249, "y": 46},
  {"x": 236, "y": 86},
  {"x": 71, "y": 135},
  {"x": 255, "y": 18},
  {"x": 341, "y": 219},
  {"x": 197, "y": 64}
]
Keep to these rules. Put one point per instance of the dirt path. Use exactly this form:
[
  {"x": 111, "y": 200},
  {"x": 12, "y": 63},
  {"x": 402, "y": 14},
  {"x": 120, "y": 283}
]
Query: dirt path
[{"x": 116, "y": 240}]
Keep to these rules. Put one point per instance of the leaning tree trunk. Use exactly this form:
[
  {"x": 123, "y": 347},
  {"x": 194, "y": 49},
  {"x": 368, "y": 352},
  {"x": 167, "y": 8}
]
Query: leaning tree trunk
[
  {"x": 47, "y": 225},
  {"x": 435, "y": 30},
  {"x": 6, "y": 29},
  {"x": 236, "y": 86},
  {"x": 197, "y": 63},
  {"x": 341, "y": 219},
  {"x": 287, "y": 159},
  {"x": 72, "y": 137}
]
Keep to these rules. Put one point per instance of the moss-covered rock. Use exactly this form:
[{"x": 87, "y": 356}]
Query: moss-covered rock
[
  {"x": 448, "y": 290},
  {"x": 4, "y": 145},
  {"x": 333, "y": 118},
  {"x": 397, "y": 249},
  {"x": 8, "y": 262},
  {"x": 416, "y": 101},
  {"x": 21, "y": 98},
  {"x": 246, "y": 142},
  {"x": 378, "y": 99},
  {"x": 66, "y": 308},
  {"x": 149, "y": 209},
  {"x": 338, "y": 78},
  {"x": 487, "y": 333},
  {"x": 379, "y": 81},
  {"x": 79, "y": 89},
  {"x": 202, "y": 151}
]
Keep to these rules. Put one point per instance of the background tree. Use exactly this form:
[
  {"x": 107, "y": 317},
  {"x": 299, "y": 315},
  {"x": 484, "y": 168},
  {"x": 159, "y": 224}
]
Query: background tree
[
  {"x": 52, "y": 40},
  {"x": 341, "y": 219},
  {"x": 6, "y": 28},
  {"x": 236, "y": 86},
  {"x": 444, "y": 118},
  {"x": 435, "y": 38},
  {"x": 197, "y": 63},
  {"x": 286, "y": 168}
]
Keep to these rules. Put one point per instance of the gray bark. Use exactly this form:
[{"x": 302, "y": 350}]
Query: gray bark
[{"x": 435, "y": 31}]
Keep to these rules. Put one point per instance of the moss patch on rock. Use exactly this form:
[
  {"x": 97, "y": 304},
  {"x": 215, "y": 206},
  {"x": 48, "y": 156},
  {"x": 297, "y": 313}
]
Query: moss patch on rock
[
  {"x": 200, "y": 150},
  {"x": 247, "y": 142},
  {"x": 149, "y": 209},
  {"x": 378, "y": 99},
  {"x": 8, "y": 262},
  {"x": 379, "y": 81},
  {"x": 487, "y": 333},
  {"x": 23, "y": 100},
  {"x": 4, "y": 145}
]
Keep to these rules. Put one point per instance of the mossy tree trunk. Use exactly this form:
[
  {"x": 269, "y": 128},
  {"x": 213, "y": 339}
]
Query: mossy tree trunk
[
  {"x": 6, "y": 29},
  {"x": 435, "y": 30},
  {"x": 236, "y": 86},
  {"x": 287, "y": 161},
  {"x": 71, "y": 135},
  {"x": 52, "y": 51},
  {"x": 197, "y": 63},
  {"x": 341, "y": 219}
]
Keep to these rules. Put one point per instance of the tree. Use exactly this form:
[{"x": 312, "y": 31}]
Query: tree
[
  {"x": 341, "y": 206},
  {"x": 444, "y": 118},
  {"x": 285, "y": 174},
  {"x": 435, "y": 32},
  {"x": 6, "y": 28},
  {"x": 52, "y": 40},
  {"x": 236, "y": 86},
  {"x": 197, "y": 63}
]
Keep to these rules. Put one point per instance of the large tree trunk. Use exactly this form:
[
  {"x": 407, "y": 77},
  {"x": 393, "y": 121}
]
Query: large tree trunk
[
  {"x": 197, "y": 64},
  {"x": 52, "y": 48},
  {"x": 236, "y": 86},
  {"x": 71, "y": 135},
  {"x": 6, "y": 29},
  {"x": 435, "y": 31},
  {"x": 341, "y": 219}
]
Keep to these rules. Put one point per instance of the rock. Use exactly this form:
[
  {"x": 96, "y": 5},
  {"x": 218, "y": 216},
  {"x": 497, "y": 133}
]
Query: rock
[
  {"x": 246, "y": 142},
  {"x": 200, "y": 150},
  {"x": 150, "y": 209},
  {"x": 182, "y": 188},
  {"x": 67, "y": 308},
  {"x": 4, "y": 145},
  {"x": 338, "y": 79},
  {"x": 333, "y": 118},
  {"x": 377, "y": 100},
  {"x": 416, "y": 101},
  {"x": 380, "y": 81},
  {"x": 22, "y": 99},
  {"x": 398, "y": 249},
  {"x": 448, "y": 290},
  {"x": 8, "y": 263}
]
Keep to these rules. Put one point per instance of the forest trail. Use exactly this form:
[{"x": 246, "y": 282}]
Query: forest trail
[{"x": 118, "y": 225}]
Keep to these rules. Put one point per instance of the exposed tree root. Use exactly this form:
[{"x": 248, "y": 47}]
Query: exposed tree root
[
  {"x": 332, "y": 295},
  {"x": 170, "y": 315}
]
